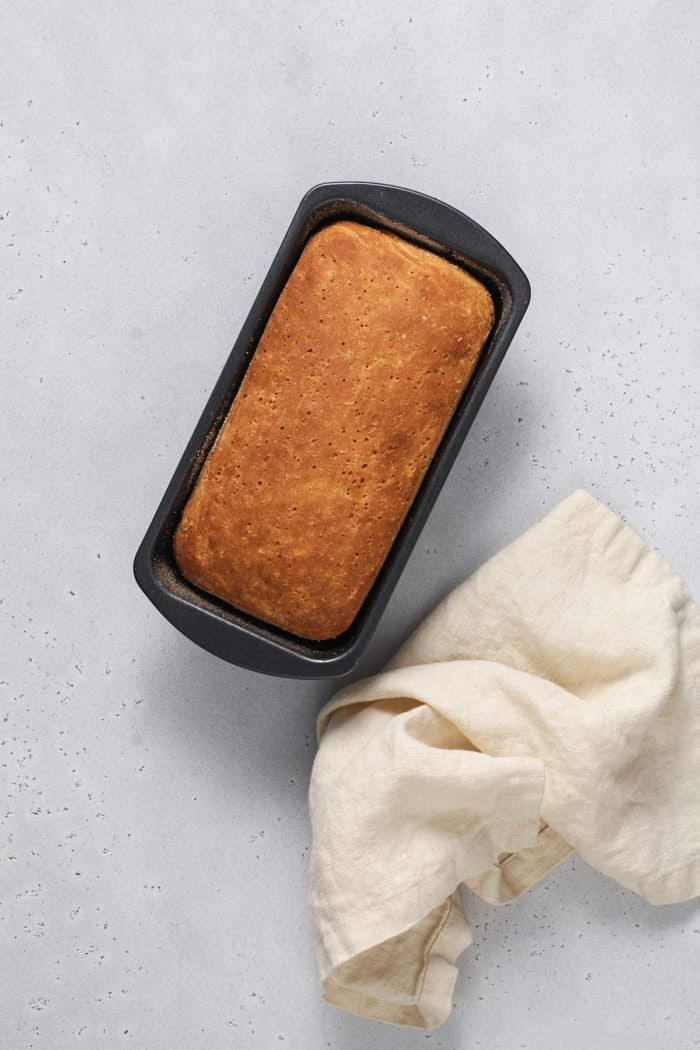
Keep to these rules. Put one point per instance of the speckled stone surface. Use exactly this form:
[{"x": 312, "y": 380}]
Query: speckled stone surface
[{"x": 153, "y": 830}]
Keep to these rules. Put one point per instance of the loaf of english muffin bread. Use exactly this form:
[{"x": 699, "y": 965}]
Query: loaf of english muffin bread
[{"x": 348, "y": 393}]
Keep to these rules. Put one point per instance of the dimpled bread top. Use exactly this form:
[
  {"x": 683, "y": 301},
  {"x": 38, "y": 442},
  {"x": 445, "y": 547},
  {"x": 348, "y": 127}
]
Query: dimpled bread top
[{"x": 349, "y": 391}]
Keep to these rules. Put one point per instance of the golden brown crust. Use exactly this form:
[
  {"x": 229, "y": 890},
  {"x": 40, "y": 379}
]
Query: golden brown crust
[{"x": 347, "y": 396}]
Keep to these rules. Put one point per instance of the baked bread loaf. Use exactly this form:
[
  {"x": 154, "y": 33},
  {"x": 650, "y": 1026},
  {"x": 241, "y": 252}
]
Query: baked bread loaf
[{"x": 349, "y": 391}]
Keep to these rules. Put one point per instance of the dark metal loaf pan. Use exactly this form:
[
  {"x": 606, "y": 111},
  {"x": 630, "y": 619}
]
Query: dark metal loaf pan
[{"x": 233, "y": 635}]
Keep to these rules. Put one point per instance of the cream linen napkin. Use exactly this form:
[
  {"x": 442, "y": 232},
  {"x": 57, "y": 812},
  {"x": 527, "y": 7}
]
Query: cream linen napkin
[{"x": 550, "y": 703}]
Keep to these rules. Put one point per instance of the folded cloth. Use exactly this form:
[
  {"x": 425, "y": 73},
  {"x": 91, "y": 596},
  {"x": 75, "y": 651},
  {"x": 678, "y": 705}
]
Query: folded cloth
[{"x": 550, "y": 703}]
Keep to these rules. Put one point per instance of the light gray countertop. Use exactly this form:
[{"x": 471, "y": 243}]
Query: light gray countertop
[{"x": 153, "y": 828}]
